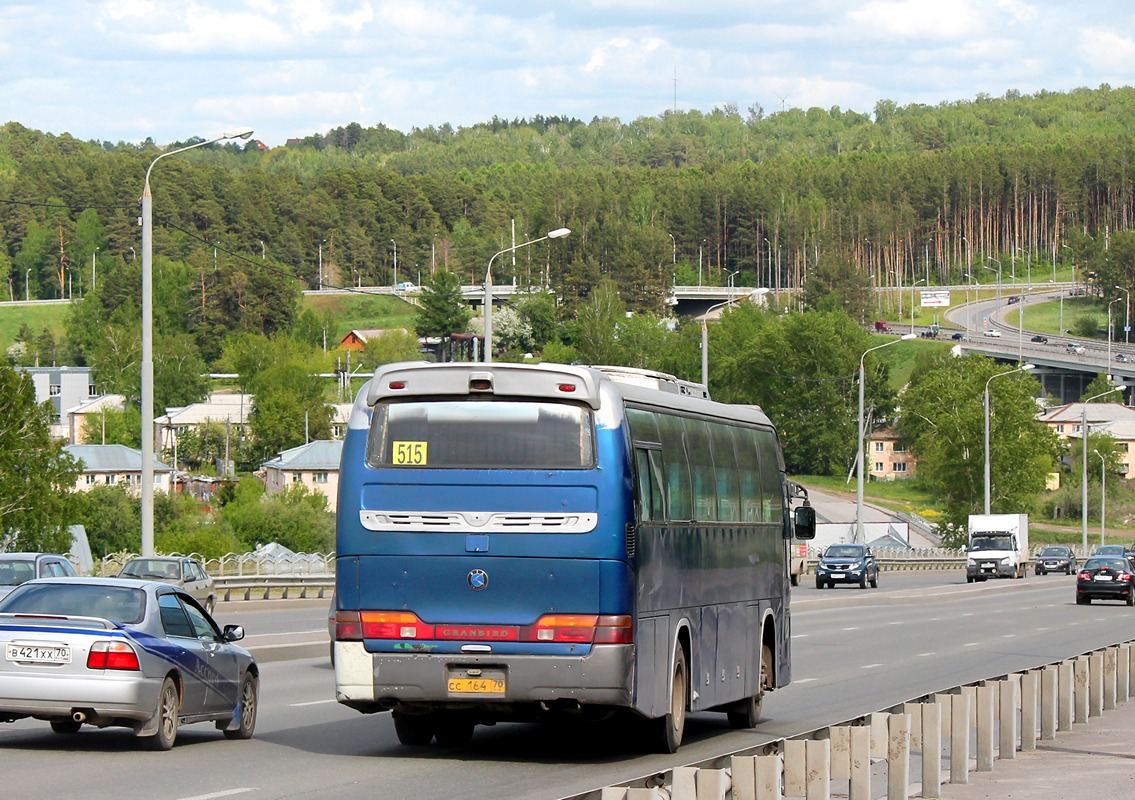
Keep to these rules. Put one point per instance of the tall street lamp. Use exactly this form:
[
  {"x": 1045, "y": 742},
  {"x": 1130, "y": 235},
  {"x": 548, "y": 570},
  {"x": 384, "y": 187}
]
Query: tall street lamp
[
  {"x": 28, "y": 285},
  {"x": 95, "y": 253},
  {"x": 1023, "y": 367},
  {"x": 558, "y": 233},
  {"x": 395, "y": 262},
  {"x": 1109, "y": 305},
  {"x": 920, "y": 280},
  {"x": 1103, "y": 495},
  {"x": 1084, "y": 474},
  {"x": 148, "y": 339},
  {"x": 1126, "y": 316},
  {"x": 323, "y": 242},
  {"x": 906, "y": 337},
  {"x": 998, "y": 263},
  {"x": 753, "y": 295}
]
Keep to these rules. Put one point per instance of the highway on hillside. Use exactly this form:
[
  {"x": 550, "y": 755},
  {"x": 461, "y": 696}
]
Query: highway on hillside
[{"x": 855, "y": 651}]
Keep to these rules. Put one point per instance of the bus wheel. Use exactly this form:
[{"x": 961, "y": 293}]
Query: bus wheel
[
  {"x": 748, "y": 711},
  {"x": 453, "y": 730},
  {"x": 415, "y": 730},
  {"x": 668, "y": 729}
]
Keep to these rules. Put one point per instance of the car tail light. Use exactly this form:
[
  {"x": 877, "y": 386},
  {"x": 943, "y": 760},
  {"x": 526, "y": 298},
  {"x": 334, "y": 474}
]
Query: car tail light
[
  {"x": 1084, "y": 576},
  {"x": 112, "y": 655},
  {"x": 1125, "y": 576}
]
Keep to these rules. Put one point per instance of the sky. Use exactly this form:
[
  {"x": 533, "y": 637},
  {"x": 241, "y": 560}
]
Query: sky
[{"x": 128, "y": 70}]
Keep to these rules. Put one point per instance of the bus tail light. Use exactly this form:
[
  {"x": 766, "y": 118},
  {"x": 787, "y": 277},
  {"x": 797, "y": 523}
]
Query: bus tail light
[
  {"x": 348, "y": 626},
  {"x": 112, "y": 655},
  {"x": 394, "y": 625},
  {"x": 580, "y": 629}
]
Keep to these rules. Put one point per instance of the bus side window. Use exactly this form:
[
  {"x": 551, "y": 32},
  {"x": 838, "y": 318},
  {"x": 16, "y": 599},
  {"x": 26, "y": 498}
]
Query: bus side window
[
  {"x": 748, "y": 462},
  {"x": 648, "y": 479},
  {"x": 678, "y": 485}
]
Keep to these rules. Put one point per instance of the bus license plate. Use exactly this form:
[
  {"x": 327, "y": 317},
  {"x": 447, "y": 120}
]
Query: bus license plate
[
  {"x": 476, "y": 686},
  {"x": 39, "y": 654}
]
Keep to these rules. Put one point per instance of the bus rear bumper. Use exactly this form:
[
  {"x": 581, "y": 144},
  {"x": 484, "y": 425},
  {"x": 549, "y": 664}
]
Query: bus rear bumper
[{"x": 377, "y": 681}]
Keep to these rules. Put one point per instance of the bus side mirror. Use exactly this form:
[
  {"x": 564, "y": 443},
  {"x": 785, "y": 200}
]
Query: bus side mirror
[{"x": 805, "y": 522}]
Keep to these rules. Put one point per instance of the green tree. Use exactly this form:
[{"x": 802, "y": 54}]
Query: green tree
[
  {"x": 943, "y": 422},
  {"x": 1103, "y": 389},
  {"x": 36, "y": 473},
  {"x": 112, "y": 519},
  {"x": 596, "y": 324},
  {"x": 443, "y": 310},
  {"x": 114, "y": 426},
  {"x": 287, "y": 410},
  {"x": 393, "y": 345}
]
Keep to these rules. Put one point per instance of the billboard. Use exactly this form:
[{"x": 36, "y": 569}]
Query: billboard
[{"x": 935, "y": 298}]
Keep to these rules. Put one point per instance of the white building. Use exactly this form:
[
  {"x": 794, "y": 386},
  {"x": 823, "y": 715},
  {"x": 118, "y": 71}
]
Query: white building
[{"x": 314, "y": 465}]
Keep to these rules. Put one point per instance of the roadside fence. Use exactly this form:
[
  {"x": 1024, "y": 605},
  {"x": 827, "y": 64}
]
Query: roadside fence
[{"x": 910, "y": 750}]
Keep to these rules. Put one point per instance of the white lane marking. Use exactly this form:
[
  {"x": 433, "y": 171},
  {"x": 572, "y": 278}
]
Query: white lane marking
[
  {"x": 925, "y": 655},
  {"x": 972, "y": 644},
  {"x": 799, "y": 636},
  {"x": 311, "y": 703},
  {"x": 852, "y": 629},
  {"x": 897, "y": 622},
  {"x": 1009, "y": 636},
  {"x": 225, "y": 793},
  {"x": 870, "y": 666},
  {"x": 806, "y": 680}
]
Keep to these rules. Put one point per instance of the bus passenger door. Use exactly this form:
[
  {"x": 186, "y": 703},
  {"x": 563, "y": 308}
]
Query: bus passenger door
[{"x": 652, "y": 621}]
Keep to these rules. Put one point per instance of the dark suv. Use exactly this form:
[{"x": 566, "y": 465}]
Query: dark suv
[
  {"x": 1055, "y": 558},
  {"x": 847, "y": 563}
]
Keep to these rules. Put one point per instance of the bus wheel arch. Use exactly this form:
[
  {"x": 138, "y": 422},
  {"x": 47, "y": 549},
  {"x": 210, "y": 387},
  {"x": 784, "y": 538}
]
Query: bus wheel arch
[{"x": 666, "y": 731}]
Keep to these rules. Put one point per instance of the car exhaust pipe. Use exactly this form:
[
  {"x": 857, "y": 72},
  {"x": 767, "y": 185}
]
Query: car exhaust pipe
[{"x": 79, "y": 716}]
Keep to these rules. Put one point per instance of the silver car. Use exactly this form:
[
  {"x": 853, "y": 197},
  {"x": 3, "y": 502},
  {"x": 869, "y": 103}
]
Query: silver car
[
  {"x": 185, "y": 572},
  {"x": 115, "y": 652},
  {"x": 17, "y": 568}
]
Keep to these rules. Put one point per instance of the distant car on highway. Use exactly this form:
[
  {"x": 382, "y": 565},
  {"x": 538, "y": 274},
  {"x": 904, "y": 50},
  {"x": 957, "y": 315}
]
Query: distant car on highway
[
  {"x": 991, "y": 332},
  {"x": 185, "y": 572},
  {"x": 959, "y": 336},
  {"x": 17, "y": 568},
  {"x": 1039, "y": 339},
  {"x": 1078, "y": 349},
  {"x": 847, "y": 563},
  {"x": 1122, "y": 357},
  {"x": 406, "y": 286},
  {"x": 1055, "y": 558},
  {"x": 109, "y": 652},
  {"x": 1105, "y": 578}
]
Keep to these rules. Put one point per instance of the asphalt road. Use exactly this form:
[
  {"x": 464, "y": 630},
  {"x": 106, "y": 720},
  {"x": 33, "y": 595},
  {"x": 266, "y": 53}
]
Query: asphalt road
[{"x": 855, "y": 651}]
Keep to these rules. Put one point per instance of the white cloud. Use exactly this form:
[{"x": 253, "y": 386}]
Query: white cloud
[
  {"x": 918, "y": 19},
  {"x": 1108, "y": 51}
]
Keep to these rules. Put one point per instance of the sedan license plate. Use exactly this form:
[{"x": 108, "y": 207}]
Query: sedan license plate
[
  {"x": 1103, "y": 578},
  {"x": 839, "y": 575},
  {"x": 38, "y": 653}
]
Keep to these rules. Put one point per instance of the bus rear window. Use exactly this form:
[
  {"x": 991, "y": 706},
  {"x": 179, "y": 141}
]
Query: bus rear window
[{"x": 479, "y": 434}]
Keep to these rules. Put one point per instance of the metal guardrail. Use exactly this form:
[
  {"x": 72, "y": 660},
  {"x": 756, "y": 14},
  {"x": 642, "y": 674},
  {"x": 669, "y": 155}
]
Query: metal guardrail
[
  {"x": 279, "y": 587},
  {"x": 924, "y": 743}
]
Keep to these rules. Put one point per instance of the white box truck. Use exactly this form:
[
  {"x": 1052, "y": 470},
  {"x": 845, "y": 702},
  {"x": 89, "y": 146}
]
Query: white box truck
[{"x": 998, "y": 546}]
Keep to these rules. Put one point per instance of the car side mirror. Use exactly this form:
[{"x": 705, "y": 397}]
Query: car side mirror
[{"x": 233, "y": 633}]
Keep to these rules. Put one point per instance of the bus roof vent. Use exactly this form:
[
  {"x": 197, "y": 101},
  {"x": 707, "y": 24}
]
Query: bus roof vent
[{"x": 652, "y": 379}]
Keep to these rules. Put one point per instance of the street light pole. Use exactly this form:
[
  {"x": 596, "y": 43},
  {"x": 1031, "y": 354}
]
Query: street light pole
[
  {"x": 1023, "y": 367},
  {"x": 1109, "y": 305},
  {"x": 488, "y": 301},
  {"x": 395, "y": 262},
  {"x": 1084, "y": 474},
  {"x": 920, "y": 280},
  {"x": 321, "y": 264},
  {"x": 906, "y": 337},
  {"x": 1103, "y": 496},
  {"x": 28, "y": 285},
  {"x": 1126, "y": 316},
  {"x": 95, "y": 253},
  {"x": 148, "y": 339},
  {"x": 753, "y": 295},
  {"x": 991, "y": 258}
]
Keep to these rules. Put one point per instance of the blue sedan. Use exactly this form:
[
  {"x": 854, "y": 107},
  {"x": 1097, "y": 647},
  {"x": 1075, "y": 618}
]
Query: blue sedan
[{"x": 108, "y": 652}]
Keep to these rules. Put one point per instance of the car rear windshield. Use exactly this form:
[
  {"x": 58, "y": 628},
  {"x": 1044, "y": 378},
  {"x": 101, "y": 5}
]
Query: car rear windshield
[
  {"x": 151, "y": 568},
  {"x": 480, "y": 434},
  {"x": 118, "y": 603},
  {"x": 1105, "y": 563},
  {"x": 13, "y": 572}
]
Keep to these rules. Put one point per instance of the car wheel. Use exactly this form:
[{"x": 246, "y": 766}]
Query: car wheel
[
  {"x": 875, "y": 581},
  {"x": 210, "y": 604},
  {"x": 863, "y": 580},
  {"x": 748, "y": 712},
  {"x": 1040, "y": 571},
  {"x": 65, "y": 726},
  {"x": 169, "y": 707},
  {"x": 819, "y": 584},
  {"x": 667, "y": 730},
  {"x": 1130, "y": 597},
  {"x": 246, "y": 708},
  {"x": 415, "y": 730}
]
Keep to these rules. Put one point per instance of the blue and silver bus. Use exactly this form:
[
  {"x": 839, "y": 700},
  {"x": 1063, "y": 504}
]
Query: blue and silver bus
[{"x": 519, "y": 542}]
